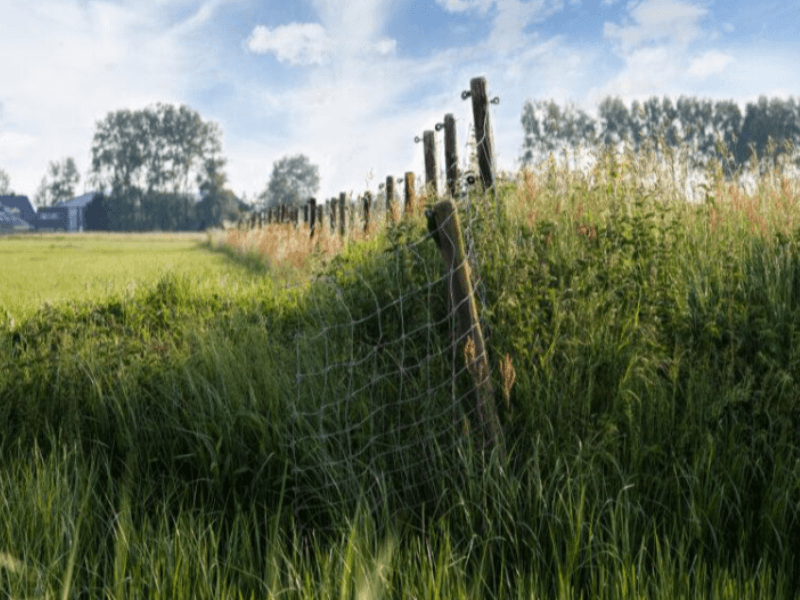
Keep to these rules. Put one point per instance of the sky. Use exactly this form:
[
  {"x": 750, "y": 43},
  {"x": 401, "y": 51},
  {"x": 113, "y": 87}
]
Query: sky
[{"x": 350, "y": 84}]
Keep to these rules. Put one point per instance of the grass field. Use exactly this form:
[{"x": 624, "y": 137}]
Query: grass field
[
  {"x": 61, "y": 267},
  {"x": 190, "y": 438}
]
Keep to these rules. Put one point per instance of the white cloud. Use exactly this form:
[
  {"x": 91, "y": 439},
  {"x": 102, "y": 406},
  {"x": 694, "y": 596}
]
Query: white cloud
[
  {"x": 13, "y": 145},
  {"x": 296, "y": 44},
  {"x": 709, "y": 63},
  {"x": 465, "y": 5},
  {"x": 672, "y": 21},
  {"x": 71, "y": 62},
  {"x": 385, "y": 46}
]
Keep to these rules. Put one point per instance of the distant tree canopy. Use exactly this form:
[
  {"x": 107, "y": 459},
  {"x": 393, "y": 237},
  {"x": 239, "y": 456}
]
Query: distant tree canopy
[
  {"x": 218, "y": 203},
  {"x": 58, "y": 185},
  {"x": 154, "y": 150},
  {"x": 294, "y": 179},
  {"x": 5, "y": 184},
  {"x": 703, "y": 123},
  {"x": 149, "y": 164}
]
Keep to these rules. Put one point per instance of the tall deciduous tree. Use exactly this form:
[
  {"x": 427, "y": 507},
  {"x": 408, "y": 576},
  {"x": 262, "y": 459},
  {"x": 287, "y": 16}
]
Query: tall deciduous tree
[
  {"x": 154, "y": 150},
  {"x": 58, "y": 185},
  {"x": 293, "y": 180}
]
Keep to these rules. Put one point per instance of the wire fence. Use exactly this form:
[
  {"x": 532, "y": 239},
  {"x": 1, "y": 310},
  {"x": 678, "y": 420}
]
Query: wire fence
[{"x": 389, "y": 389}]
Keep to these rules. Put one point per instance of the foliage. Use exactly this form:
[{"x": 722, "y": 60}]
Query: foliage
[
  {"x": 651, "y": 422},
  {"x": 714, "y": 130},
  {"x": 155, "y": 149},
  {"x": 5, "y": 184},
  {"x": 217, "y": 203},
  {"x": 59, "y": 183},
  {"x": 293, "y": 180}
]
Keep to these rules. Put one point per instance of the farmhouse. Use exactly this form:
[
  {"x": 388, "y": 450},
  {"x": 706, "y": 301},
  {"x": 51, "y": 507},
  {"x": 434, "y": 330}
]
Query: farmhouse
[
  {"x": 20, "y": 208},
  {"x": 65, "y": 216},
  {"x": 10, "y": 223}
]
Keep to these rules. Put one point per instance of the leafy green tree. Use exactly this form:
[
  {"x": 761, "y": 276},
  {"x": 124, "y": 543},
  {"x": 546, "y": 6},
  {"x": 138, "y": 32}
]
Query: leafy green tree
[
  {"x": 548, "y": 128},
  {"x": 217, "y": 202},
  {"x": 775, "y": 119},
  {"x": 58, "y": 185},
  {"x": 5, "y": 184},
  {"x": 294, "y": 179},
  {"x": 154, "y": 150}
]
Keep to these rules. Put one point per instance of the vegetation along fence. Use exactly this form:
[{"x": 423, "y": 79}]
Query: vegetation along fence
[{"x": 395, "y": 370}]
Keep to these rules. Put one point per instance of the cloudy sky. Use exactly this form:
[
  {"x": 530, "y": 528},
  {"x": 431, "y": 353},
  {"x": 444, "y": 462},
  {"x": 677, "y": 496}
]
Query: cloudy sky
[{"x": 349, "y": 83}]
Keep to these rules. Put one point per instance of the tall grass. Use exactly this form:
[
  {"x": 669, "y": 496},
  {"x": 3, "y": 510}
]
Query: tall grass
[{"x": 158, "y": 443}]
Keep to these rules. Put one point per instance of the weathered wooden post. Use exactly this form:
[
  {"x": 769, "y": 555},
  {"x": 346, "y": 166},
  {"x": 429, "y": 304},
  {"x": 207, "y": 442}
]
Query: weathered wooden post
[
  {"x": 305, "y": 214},
  {"x": 449, "y": 238},
  {"x": 390, "y": 216},
  {"x": 410, "y": 193},
  {"x": 320, "y": 212},
  {"x": 429, "y": 147},
  {"x": 283, "y": 213},
  {"x": 311, "y": 209},
  {"x": 483, "y": 129},
  {"x": 331, "y": 204},
  {"x": 367, "y": 202},
  {"x": 296, "y": 215},
  {"x": 342, "y": 199},
  {"x": 451, "y": 154}
]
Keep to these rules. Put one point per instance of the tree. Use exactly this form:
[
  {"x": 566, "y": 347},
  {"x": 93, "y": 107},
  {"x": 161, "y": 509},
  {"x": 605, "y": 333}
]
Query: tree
[
  {"x": 548, "y": 128},
  {"x": 154, "y": 150},
  {"x": 58, "y": 185},
  {"x": 218, "y": 202},
  {"x": 773, "y": 119},
  {"x": 293, "y": 180},
  {"x": 5, "y": 184}
]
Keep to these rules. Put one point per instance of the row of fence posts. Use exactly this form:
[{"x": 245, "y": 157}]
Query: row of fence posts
[
  {"x": 313, "y": 213},
  {"x": 448, "y": 236}
]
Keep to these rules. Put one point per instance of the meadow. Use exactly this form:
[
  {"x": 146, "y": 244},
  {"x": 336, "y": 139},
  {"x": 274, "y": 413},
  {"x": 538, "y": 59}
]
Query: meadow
[
  {"x": 60, "y": 267},
  {"x": 188, "y": 438}
]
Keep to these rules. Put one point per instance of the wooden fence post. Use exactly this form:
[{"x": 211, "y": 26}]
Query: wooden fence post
[
  {"x": 411, "y": 197},
  {"x": 390, "y": 199},
  {"x": 462, "y": 300},
  {"x": 451, "y": 154},
  {"x": 312, "y": 210},
  {"x": 305, "y": 213},
  {"x": 429, "y": 147},
  {"x": 283, "y": 213},
  {"x": 483, "y": 130},
  {"x": 342, "y": 198},
  {"x": 367, "y": 202}
]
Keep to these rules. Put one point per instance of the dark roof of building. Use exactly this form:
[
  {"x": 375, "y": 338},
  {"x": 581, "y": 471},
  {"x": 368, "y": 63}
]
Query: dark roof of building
[
  {"x": 80, "y": 201},
  {"x": 22, "y": 204},
  {"x": 7, "y": 220}
]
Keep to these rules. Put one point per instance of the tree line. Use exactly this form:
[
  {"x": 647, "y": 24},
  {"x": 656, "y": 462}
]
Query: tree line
[
  {"x": 161, "y": 168},
  {"x": 718, "y": 129}
]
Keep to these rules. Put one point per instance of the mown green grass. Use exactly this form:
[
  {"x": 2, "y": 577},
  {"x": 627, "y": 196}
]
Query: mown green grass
[
  {"x": 190, "y": 439},
  {"x": 61, "y": 267}
]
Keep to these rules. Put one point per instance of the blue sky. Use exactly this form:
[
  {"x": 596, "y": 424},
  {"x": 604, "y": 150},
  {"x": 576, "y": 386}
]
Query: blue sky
[{"x": 350, "y": 83}]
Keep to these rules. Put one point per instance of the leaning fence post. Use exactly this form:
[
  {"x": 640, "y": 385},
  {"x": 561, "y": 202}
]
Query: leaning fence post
[{"x": 462, "y": 299}]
